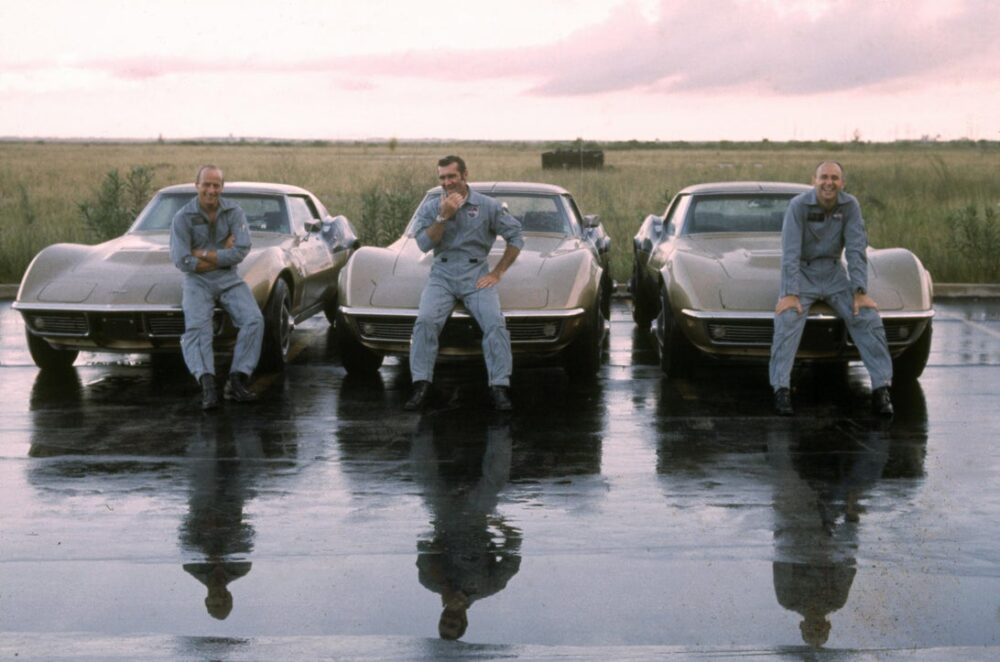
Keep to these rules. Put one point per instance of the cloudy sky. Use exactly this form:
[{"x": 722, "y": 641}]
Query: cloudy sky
[{"x": 501, "y": 69}]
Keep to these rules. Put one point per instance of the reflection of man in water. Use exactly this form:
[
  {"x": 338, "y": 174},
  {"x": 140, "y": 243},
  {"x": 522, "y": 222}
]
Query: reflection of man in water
[
  {"x": 473, "y": 552},
  {"x": 215, "y": 525},
  {"x": 816, "y": 504}
]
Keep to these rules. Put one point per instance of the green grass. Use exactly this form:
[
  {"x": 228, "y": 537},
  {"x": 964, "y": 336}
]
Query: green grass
[{"x": 907, "y": 192}]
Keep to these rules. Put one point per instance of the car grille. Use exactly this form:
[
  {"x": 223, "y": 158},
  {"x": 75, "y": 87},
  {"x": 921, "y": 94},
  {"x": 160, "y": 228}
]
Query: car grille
[
  {"x": 818, "y": 335},
  {"x": 60, "y": 324},
  {"x": 115, "y": 326},
  {"x": 900, "y": 332},
  {"x": 165, "y": 324},
  {"x": 457, "y": 330},
  {"x": 736, "y": 333},
  {"x": 534, "y": 330},
  {"x": 388, "y": 329}
]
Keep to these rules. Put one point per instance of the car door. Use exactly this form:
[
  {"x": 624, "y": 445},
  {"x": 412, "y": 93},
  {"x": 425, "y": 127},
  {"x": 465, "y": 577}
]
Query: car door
[{"x": 311, "y": 254}]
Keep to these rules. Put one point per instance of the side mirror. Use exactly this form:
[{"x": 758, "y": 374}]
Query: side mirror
[
  {"x": 313, "y": 225},
  {"x": 591, "y": 221},
  {"x": 657, "y": 227}
]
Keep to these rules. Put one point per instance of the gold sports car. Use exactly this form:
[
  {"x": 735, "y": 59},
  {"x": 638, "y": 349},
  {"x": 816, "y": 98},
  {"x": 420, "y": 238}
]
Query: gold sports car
[
  {"x": 124, "y": 295},
  {"x": 555, "y": 298},
  {"x": 708, "y": 273}
]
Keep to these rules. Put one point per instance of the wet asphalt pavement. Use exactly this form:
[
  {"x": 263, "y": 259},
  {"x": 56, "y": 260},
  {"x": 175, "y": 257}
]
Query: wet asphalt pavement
[{"x": 631, "y": 518}]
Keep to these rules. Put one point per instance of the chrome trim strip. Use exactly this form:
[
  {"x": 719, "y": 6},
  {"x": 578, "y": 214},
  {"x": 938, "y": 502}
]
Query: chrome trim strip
[
  {"x": 358, "y": 311},
  {"x": 753, "y": 316},
  {"x": 106, "y": 308}
]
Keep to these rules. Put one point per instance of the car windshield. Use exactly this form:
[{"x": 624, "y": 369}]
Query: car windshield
[
  {"x": 265, "y": 213},
  {"x": 537, "y": 213},
  {"x": 736, "y": 213}
]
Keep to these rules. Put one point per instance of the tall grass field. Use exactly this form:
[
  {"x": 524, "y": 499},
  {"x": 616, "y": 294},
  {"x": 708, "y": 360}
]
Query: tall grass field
[{"x": 938, "y": 200}]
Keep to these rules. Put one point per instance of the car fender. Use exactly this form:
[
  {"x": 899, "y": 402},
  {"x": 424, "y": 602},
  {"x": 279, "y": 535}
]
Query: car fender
[
  {"x": 370, "y": 267},
  {"x": 50, "y": 264},
  {"x": 573, "y": 278},
  {"x": 898, "y": 271},
  {"x": 261, "y": 269},
  {"x": 692, "y": 280}
]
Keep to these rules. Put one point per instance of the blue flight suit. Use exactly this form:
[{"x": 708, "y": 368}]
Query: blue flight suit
[
  {"x": 812, "y": 241},
  {"x": 191, "y": 230},
  {"x": 460, "y": 261}
]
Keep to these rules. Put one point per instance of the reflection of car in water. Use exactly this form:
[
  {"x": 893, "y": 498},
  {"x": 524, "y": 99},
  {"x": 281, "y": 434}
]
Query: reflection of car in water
[
  {"x": 124, "y": 295},
  {"x": 473, "y": 552}
]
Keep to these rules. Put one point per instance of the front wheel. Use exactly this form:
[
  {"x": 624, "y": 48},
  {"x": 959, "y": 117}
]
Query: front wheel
[
  {"x": 643, "y": 310},
  {"x": 278, "y": 327},
  {"x": 582, "y": 359},
  {"x": 676, "y": 353},
  {"x": 355, "y": 357},
  {"x": 607, "y": 290},
  {"x": 330, "y": 309},
  {"x": 48, "y": 357},
  {"x": 909, "y": 365}
]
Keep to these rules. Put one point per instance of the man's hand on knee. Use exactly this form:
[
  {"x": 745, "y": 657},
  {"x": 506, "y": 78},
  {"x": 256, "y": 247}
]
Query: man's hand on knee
[
  {"x": 489, "y": 280},
  {"x": 789, "y": 301},
  {"x": 862, "y": 300}
]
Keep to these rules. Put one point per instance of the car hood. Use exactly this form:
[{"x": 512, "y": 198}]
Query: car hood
[
  {"x": 747, "y": 276},
  {"x": 544, "y": 276},
  {"x": 134, "y": 269}
]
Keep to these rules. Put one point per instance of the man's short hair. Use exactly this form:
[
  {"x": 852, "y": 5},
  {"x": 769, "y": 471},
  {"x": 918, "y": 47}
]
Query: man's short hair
[
  {"x": 208, "y": 166},
  {"x": 843, "y": 175},
  {"x": 451, "y": 158}
]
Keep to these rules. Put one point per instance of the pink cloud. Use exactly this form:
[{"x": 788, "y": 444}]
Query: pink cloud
[{"x": 694, "y": 45}]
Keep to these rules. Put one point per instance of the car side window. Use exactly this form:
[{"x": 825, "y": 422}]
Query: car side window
[
  {"x": 577, "y": 222},
  {"x": 159, "y": 213},
  {"x": 675, "y": 212},
  {"x": 301, "y": 211}
]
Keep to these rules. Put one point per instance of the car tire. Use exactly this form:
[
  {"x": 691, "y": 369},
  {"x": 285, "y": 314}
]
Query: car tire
[
  {"x": 908, "y": 366},
  {"x": 643, "y": 310},
  {"x": 582, "y": 359},
  {"x": 48, "y": 357},
  {"x": 607, "y": 290},
  {"x": 676, "y": 353},
  {"x": 278, "y": 327},
  {"x": 330, "y": 309},
  {"x": 355, "y": 357}
]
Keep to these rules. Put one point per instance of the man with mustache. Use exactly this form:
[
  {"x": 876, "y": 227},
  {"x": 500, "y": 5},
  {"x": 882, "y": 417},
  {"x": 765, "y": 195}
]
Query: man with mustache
[{"x": 460, "y": 226}]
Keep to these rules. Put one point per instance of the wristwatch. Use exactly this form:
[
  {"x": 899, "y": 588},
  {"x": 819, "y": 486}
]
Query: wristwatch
[
  {"x": 440, "y": 219},
  {"x": 859, "y": 290}
]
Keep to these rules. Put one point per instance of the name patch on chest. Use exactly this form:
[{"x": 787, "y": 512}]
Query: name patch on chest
[{"x": 819, "y": 217}]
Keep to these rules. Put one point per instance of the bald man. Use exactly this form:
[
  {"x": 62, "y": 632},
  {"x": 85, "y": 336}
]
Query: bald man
[{"x": 819, "y": 226}]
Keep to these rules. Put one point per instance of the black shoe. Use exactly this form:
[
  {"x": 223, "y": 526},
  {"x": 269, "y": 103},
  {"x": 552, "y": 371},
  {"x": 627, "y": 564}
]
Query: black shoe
[
  {"x": 420, "y": 397},
  {"x": 783, "y": 402},
  {"x": 238, "y": 389},
  {"x": 501, "y": 398},
  {"x": 882, "y": 402},
  {"x": 209, "y": 397}
]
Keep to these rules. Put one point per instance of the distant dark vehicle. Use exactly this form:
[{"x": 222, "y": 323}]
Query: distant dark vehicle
[
  {"x": 566, "y": 159},
  {"x": 125, "y": 295}
]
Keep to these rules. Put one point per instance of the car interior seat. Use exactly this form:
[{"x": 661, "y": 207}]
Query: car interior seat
[
  {"x": 274, "y": 221},
  {"x": 542, "y": 221}
]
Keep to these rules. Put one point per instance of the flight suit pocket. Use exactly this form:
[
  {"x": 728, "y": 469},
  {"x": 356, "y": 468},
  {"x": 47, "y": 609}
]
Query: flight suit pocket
[{"x": 199, "y": 236}]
